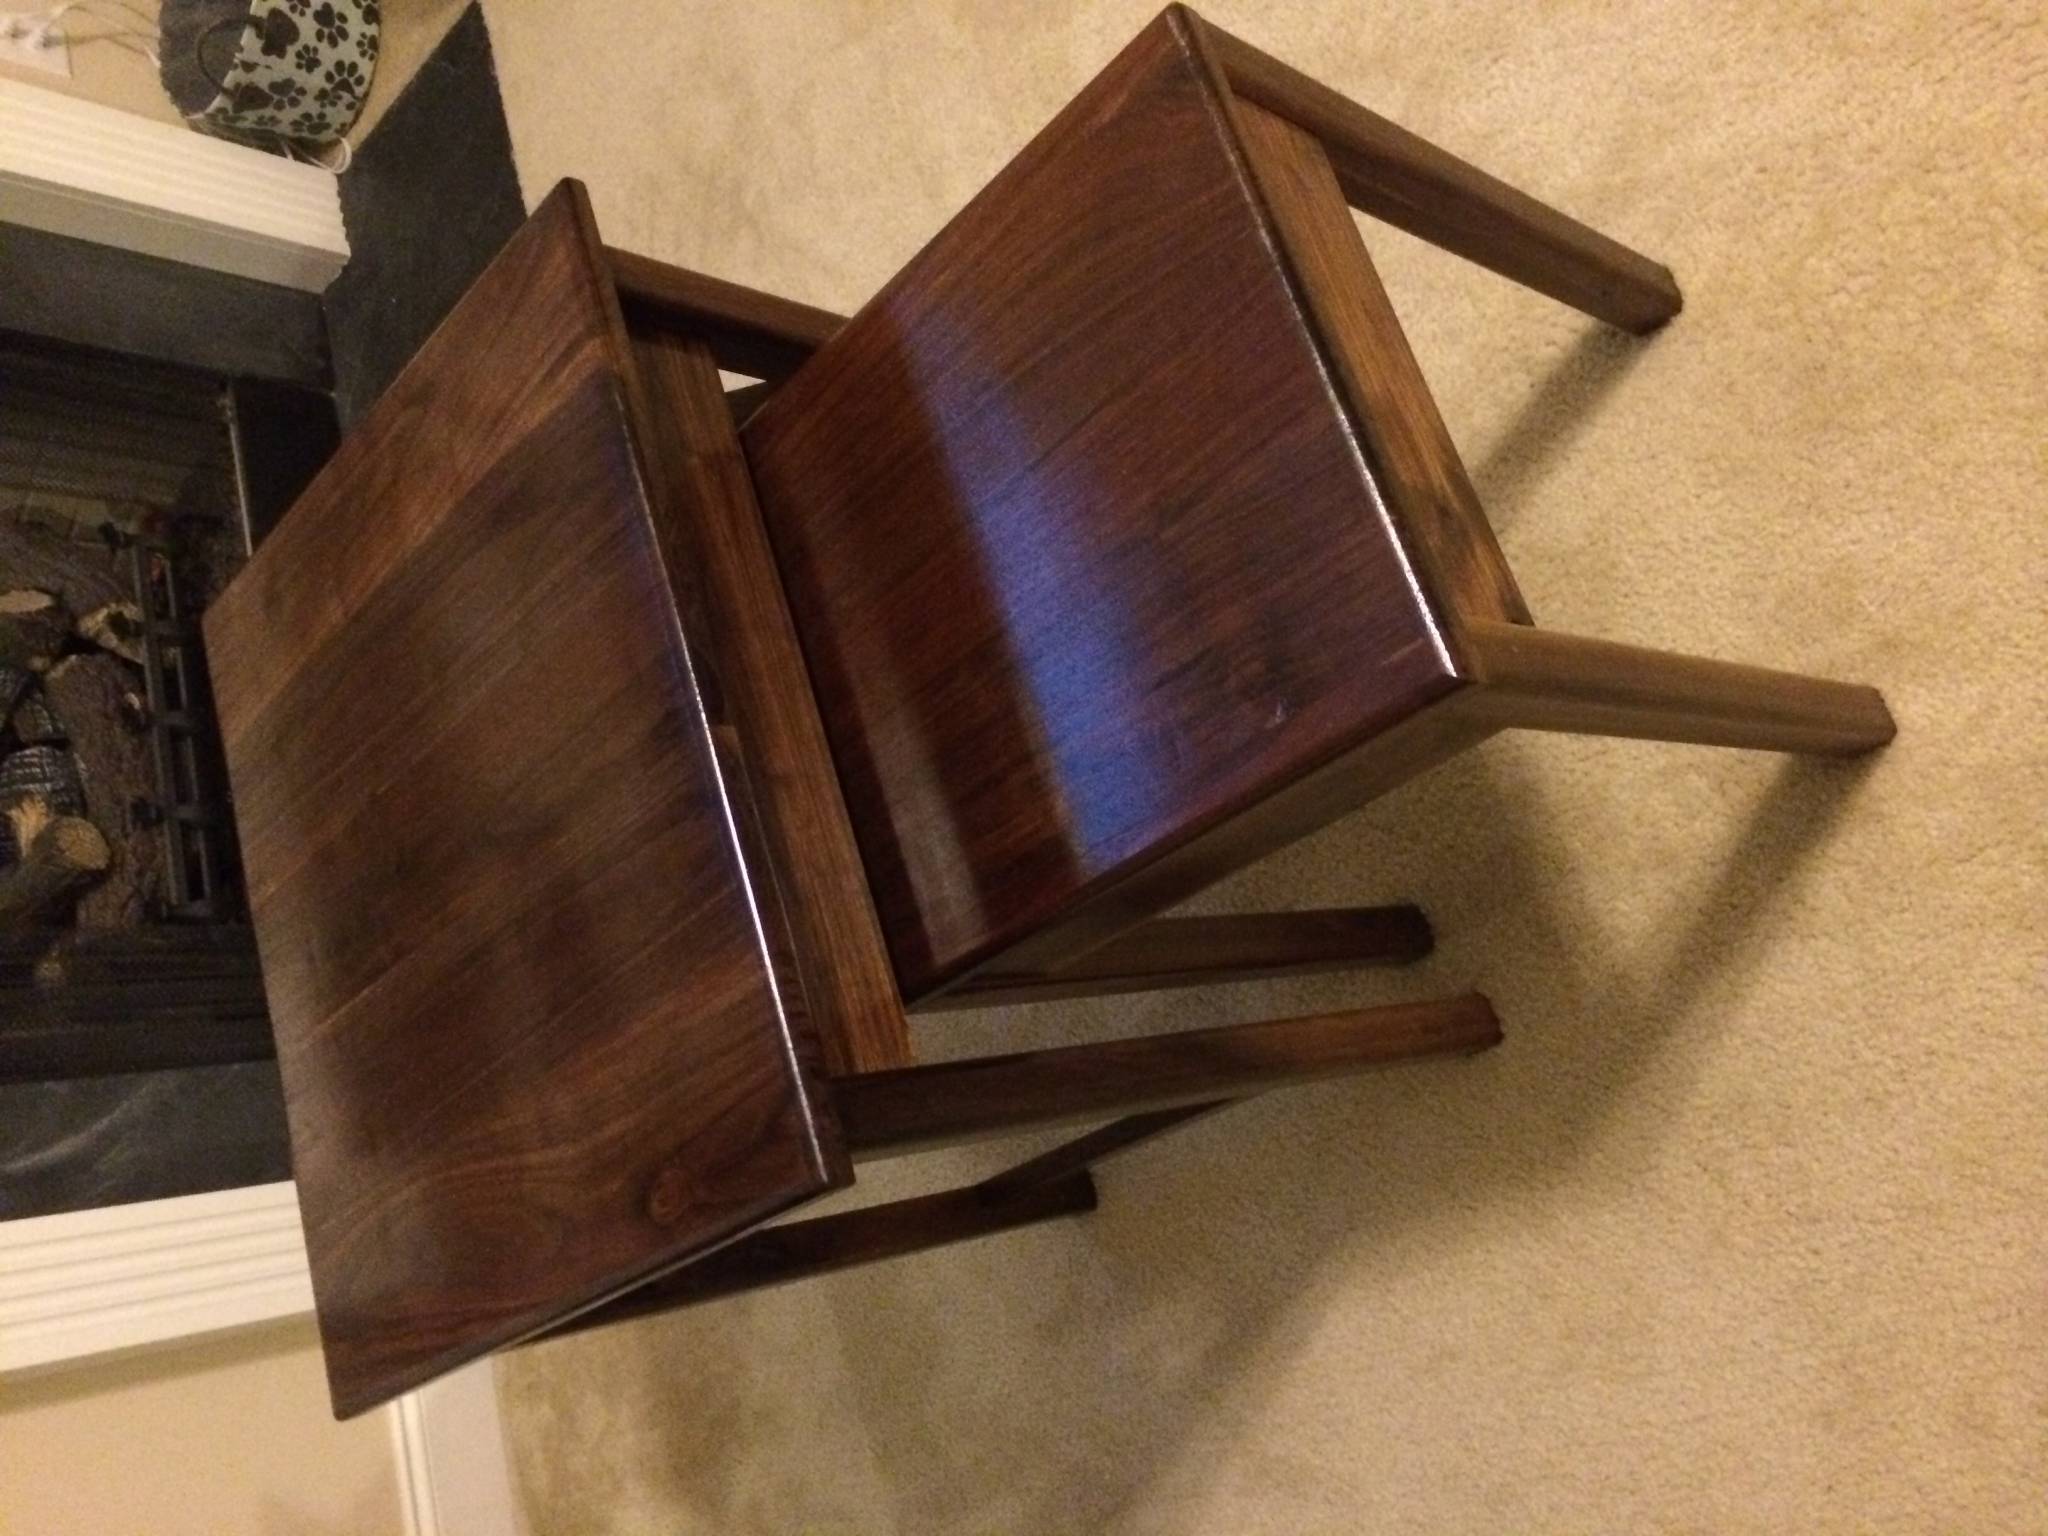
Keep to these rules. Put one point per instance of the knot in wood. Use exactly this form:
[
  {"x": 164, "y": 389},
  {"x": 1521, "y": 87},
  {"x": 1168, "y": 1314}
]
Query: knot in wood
[{"x": 671, "y": 1196}]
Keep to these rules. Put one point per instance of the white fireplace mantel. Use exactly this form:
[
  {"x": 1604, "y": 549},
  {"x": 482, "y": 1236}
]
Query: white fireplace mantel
[
  {"x": 83, "y": 1283},
  {"x": 76, "y": 168}
]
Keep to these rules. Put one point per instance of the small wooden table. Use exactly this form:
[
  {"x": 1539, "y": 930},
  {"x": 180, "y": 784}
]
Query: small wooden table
[
  {"x": 539, "y": 1009},
  {"x": 1127, "y": 543}
]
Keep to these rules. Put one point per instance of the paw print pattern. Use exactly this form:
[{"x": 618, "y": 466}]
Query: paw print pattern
[
  {"x": 306, "y": 66},
  {"x": 279, "y": 33},
  {"x": 329, "y": 25},
  {"x": 344, "y": 79}
]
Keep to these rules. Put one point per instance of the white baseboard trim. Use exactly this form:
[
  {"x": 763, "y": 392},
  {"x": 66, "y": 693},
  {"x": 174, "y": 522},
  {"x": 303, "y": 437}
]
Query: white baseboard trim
[
  {"x": 76, "y": 168},
  {"x": 454, "y": 1478},
  {"x": 415, "y": 1470},
  {"x": 84, "y": 1283}
]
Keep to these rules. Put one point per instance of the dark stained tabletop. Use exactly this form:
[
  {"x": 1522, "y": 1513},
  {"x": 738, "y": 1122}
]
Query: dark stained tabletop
[{"x": 539, "y": 1031}]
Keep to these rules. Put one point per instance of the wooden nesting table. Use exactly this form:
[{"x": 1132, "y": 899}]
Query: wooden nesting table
[{"x": 573, "y": 967}]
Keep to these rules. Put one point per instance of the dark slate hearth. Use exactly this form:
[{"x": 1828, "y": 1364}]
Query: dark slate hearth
[
  {"x": 430, "y": 198},
  {"x": 92, "y": 1141}
]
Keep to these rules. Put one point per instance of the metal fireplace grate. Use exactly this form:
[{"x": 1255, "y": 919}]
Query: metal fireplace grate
[{"x": 202, "y": 880}]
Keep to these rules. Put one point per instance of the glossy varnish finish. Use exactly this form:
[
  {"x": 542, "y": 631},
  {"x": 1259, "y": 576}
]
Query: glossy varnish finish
[
  {"x": 1542, "y": 681},
  {"x": 1115, "y": 543},
  {"x": 821, "y": 1245},
  {"x": 708, "y": 525},
  {"x": 540, "y": 1026},
  {"x": 1428, "y": 495},
  {"x": 748, "y": 331},
  {"x": 1126, "y": 542},
  {"x": 884, "y": 1113},
  {"x": 1083, "y": 551}
]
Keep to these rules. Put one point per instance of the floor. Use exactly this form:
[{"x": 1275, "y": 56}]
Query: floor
[{"x": 1742, "y": 1229}]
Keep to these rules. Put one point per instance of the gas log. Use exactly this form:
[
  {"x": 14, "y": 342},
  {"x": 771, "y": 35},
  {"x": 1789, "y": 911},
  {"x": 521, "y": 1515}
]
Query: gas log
[
  {"x": 85, "y": 575},
  {"x": 85, "y": 617},
  {"x": 75, "y": 759},
  {"x": 34, "y": 627},
  {"x": 115, "y": 627},
  {"x": 98, "y": 705},
  {"x": 60, "y": 857}
]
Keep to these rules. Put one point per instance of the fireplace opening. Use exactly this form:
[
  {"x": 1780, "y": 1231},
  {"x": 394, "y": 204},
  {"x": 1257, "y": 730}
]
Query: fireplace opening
[
  {"x": 119, "y": 521},
  {"x": 134, "y": 1037}
]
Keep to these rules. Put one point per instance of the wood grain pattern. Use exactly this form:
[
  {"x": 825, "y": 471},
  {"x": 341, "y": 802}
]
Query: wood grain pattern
[
  {"x": 886, "y": 1113},
  {"x": 1428, "y": 493},
  {"x": 708, "y": 523},
  {"x": 1289, "y": 811},
  {"x": 540, "y": 1033},
  {"x": 1551, "y": 682},
  {"x": 748, "y": 331},
  {"x": 1203, "y": 951},
  {"x": 1084, "y": 555},
  {"x": 1390, "y": 173}
]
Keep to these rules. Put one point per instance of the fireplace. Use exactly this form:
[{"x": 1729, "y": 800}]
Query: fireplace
[{"x": 132, "y": 1019}]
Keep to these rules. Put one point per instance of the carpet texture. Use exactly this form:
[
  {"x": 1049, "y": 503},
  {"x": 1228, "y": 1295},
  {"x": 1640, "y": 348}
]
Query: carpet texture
[{"x": 1746, "y": 1226}]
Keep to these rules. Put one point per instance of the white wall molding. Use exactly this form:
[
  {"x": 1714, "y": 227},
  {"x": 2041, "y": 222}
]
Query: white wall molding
[
  {"x": 83, "y": 1283},
  {"x": 76, "y": 168},
  {"x": 86, "y": 1283},
  {"x": 454, "y": 1476}
]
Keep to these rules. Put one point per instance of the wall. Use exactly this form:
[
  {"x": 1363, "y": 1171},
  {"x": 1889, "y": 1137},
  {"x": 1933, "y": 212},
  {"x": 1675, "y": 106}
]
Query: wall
[
  {"x": 114, "y": 76},
  {"x": 227, "y": 1436},
  {"x": 102, "y": 72}
]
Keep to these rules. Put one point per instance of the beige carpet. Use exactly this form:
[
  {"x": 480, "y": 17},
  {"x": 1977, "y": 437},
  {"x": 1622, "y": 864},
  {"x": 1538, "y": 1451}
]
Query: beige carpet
[{"x": 1746, "y": 1227}]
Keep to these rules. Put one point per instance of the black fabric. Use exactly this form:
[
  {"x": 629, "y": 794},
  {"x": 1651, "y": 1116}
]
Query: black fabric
[{"x": 196, "y": 40}]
